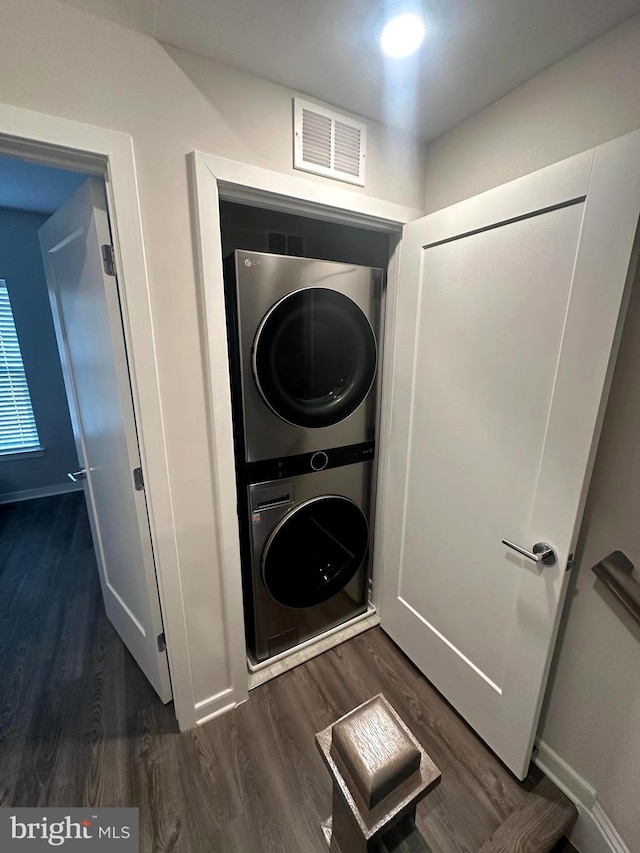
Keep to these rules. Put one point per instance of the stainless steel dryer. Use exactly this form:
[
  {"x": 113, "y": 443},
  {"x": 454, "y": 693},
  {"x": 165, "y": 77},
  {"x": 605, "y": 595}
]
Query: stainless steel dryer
[
  {"x": 308, "y": 544},
  {"x": 304, "y": 348}
]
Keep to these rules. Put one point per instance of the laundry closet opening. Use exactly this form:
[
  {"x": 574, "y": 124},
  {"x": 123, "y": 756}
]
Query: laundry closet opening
[{"x": 305, "y": 301}]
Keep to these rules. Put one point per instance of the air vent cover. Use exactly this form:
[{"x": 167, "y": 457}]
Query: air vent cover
[
  {"x": 285, "y": 244},
  {"x": 327, "y": 143}
]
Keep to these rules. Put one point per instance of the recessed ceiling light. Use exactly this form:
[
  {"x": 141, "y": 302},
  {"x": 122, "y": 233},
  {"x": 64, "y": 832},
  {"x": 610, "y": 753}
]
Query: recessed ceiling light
[{"x": 402, "y": 36}]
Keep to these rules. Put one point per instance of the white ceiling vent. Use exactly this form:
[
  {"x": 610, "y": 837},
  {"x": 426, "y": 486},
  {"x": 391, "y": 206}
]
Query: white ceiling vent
[{"x": 327, "y": 143}]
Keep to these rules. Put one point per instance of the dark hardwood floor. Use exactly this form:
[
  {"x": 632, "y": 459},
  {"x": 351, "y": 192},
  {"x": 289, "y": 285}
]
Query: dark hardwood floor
[{"x": 79, "y": 725}]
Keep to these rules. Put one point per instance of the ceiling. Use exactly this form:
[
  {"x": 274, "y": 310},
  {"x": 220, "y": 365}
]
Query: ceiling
[
  {"x": 33, "y": 187},
  {"x": 474, "y": 52}
]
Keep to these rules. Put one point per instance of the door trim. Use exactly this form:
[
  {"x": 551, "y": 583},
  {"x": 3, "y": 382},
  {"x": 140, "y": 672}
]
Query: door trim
[
  {"x": 214, "y": 179},
  {"x": 82, "y": 147}
]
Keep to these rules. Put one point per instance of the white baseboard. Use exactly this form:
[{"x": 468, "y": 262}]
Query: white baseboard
[
  {"x": 593, "y": 832},
  {"x": 608, "y": 830},
  {"x": 564, "y": 776},
  {"x": 42, "y": 492}
]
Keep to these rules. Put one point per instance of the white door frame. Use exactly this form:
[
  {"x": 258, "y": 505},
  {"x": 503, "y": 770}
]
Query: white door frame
[
  {"x": 215, "y": 178},
  {"x": 70, "y": 144}
]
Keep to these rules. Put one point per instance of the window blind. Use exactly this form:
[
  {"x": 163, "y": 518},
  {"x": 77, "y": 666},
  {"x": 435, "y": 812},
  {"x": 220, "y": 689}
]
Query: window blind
[{"x": 17, "y": 425}]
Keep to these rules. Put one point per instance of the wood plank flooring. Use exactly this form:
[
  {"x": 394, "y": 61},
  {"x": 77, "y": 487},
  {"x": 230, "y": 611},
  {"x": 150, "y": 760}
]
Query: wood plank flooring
[{"x": 79, "y": 725}]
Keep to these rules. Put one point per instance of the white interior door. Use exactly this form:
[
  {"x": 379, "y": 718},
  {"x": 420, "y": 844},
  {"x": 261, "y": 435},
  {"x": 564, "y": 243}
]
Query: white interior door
[
  {"x": 507, "y": 319},
  {"x": 88, "y": 322}
]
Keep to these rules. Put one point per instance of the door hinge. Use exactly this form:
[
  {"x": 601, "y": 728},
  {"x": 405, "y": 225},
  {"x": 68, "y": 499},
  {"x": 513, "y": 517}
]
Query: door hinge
[
  {"x": 108, "y": 259},
  {"x": 570, "y": 562},
  {"x": 162, "y": 643},
  {"x": 138, "y": 479}
]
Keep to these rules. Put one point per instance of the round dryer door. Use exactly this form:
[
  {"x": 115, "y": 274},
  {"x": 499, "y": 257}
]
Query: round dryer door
[
  {"x": 315, "y": 551},
  {"x": 314, "y": 357}
]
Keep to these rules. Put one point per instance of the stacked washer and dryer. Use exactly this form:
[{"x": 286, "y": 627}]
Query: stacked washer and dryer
[{"x": 304, "y": 355}]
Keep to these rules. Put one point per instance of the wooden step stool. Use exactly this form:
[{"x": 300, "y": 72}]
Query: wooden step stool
[{"x": 380, "y": 773}]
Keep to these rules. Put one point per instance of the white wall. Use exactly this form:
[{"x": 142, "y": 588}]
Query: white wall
[
  {"x": 587, "y": 98},
  {"x": 21, "y": 267},
  {"x": 56, "y": 59},
  {"x": 258, "y": 117},
  {"x": 592, "y": 716}
]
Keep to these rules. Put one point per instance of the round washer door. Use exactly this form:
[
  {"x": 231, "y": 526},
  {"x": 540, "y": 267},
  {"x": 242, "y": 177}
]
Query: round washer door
[
  {"x": 314, "y": 551},
  {"x": 314, "y": 357}
]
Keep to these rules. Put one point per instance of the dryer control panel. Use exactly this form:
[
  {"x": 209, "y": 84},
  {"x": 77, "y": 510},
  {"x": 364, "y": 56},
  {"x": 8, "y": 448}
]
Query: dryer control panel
[{"x": 306, "y": 463}]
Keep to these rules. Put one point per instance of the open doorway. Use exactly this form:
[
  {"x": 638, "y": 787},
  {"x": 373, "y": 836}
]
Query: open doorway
[{"x": 76, "y": 557}]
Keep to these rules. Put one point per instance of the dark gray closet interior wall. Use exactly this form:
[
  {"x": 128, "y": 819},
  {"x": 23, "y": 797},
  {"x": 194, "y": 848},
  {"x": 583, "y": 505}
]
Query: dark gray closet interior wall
[{"x": 245, "y": 227}]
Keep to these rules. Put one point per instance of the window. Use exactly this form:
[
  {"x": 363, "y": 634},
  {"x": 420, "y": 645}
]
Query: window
[{"x": 18, "y": 432}]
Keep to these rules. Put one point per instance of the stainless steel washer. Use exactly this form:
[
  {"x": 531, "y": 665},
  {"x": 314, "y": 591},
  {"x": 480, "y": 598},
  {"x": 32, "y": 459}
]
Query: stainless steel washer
[
  {"x": 308, "y": 548},
  {"x": 305, "y": 353}
]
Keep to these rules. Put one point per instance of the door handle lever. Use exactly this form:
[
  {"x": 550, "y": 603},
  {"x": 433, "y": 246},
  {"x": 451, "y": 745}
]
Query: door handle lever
[
  {"x": 541, "y": 553},
  {"x": 76, "y": 476}
]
